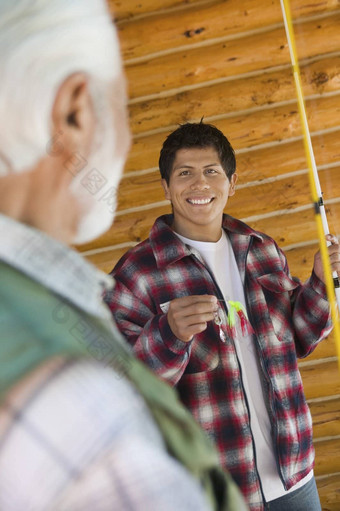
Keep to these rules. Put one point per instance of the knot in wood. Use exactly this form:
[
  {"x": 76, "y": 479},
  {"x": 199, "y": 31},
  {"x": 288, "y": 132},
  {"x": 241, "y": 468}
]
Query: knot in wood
[
  {"x": 193, "y": 32},
  {"x": 320, "y": 78}
]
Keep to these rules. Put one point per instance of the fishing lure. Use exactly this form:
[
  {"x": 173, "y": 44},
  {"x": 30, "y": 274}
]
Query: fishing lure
[{"x": 236, "y": 317}]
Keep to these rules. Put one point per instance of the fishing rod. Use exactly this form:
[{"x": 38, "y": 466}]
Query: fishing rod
[{"x": 332, "y": 284}]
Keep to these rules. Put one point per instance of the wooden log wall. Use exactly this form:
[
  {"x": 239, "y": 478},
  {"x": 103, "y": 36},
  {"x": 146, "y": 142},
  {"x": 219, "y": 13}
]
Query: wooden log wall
[{"x": 229, "y": 62}]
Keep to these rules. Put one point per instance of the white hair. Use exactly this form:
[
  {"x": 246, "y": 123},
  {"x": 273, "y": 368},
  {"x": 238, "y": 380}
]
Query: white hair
[{"x": 42, "y": 42}]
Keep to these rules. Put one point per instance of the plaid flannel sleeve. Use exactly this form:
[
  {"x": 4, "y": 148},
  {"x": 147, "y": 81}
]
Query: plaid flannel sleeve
[
  {"x": 310, "y": 313},
  {"x": 150, "y": 334}
]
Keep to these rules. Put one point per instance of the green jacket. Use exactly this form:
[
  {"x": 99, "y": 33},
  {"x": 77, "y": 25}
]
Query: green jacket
[{"x": 36, "y": 325}]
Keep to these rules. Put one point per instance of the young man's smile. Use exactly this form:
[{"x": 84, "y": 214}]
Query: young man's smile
[
  {"x": 198, "y": 190},
  {"x": 200, "y": 201}
]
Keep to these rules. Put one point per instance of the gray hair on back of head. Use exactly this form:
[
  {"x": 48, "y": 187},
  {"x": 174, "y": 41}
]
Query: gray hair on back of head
[{"x": 42, "y": 42}]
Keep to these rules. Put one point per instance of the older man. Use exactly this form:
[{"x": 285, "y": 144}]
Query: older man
[{"x": 83, "y": 425}]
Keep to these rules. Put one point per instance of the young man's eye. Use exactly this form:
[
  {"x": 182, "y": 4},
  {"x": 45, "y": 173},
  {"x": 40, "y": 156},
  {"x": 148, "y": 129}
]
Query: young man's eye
[
  {"x": 211, "y": 171},
  {"x": 184, "y": 173}
]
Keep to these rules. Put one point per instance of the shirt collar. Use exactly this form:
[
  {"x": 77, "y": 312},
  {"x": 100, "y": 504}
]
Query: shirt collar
[{"x": 54, "y": 265}]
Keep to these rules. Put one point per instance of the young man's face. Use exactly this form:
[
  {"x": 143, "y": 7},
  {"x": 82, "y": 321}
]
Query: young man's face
[{"x": 198, "y": 190}]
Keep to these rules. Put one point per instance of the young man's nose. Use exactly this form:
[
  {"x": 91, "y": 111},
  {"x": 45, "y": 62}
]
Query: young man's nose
[{"x": 200, "y": 183}]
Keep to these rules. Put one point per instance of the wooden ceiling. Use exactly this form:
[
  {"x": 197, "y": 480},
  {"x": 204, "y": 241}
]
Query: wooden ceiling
[{"x": 228, "y": 61}]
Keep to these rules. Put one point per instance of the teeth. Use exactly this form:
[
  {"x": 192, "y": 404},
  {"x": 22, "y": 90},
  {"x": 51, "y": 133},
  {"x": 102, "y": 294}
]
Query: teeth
[{"x": 199, "y": 201}]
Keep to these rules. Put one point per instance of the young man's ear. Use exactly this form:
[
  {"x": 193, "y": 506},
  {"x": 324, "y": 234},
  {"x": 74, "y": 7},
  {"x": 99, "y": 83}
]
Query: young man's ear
[
  {"x": 73, "y": 115},
  {"x": 166, "y": 189},
  {"x": 232, "y": 187}
]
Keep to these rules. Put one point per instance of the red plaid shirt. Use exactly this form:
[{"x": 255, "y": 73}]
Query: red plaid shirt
[{"x": 289, "y": 320}]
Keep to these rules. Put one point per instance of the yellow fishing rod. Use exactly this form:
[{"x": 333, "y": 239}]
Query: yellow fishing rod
[{"x": 332, "y": 284}]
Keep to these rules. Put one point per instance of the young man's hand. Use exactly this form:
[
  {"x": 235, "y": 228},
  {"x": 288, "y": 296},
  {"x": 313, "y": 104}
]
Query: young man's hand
[
  {"x": 189, "y": 315},
  {"x": 334, "y": 256}
]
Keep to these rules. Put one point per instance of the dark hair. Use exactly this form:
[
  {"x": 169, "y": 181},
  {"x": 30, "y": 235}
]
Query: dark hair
[{"x": 196, "y": 135}]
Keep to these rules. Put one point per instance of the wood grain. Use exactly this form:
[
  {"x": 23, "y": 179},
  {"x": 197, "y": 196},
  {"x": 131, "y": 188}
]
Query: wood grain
[
  {"x": 329, "y": 491},
  {"x": 129, "y": 9},
  {"x": 326, "y": 417},
  {"x": 313, "y": 375},
  {"x": 247, "y": 54},
  {"x": 234, "y": 96},
  {"x": 327, "y": 457},
  {"x": 297, "y": 227},
  {"x": 203, "y": 22}
]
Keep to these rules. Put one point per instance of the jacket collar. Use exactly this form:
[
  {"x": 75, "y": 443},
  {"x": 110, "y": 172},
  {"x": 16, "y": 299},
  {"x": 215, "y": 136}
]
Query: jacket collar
[
  {"x": 233, "y": 226},
  {"x": 168, "y": 248}
]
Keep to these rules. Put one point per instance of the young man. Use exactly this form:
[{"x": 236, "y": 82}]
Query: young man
[
  {"x": 83, "y": 424},
  {"x": 209, "y": 304}
]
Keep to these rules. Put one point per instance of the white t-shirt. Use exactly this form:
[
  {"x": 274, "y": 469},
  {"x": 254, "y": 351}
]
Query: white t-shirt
[{"x": 220, "y": 259}]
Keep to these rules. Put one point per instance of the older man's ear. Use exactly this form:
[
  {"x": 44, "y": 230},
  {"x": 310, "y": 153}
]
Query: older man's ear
[{"x": 73, "y": 115}]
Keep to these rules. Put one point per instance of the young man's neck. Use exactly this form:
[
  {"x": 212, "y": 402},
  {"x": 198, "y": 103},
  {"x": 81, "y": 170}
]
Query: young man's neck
[{"x": 199, "y": 234}]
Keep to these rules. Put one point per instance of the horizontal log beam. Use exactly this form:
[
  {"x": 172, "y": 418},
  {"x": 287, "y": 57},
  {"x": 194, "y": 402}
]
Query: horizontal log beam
[
  {"x": 128, "y": 9},
  {"x": 326, "y": 417},
  {"x": 327, "y": 457},
  {"x": 227, "y": 97},
  {"x": 329, "y": 492},
  {"x": 202, "y": 22},
  {"x": 297, "y": 227},
  {"x": 281, "y": 159},
  {"x": 313, "y": 375},
  {"x": 280, "y": 122},
  {"x": 231, "y": 58}
]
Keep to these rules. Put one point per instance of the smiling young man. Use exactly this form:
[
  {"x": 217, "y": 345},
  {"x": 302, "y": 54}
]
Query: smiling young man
[
  {"x": 198, "y": 190},
  {"x": 209, "y": 304}
]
